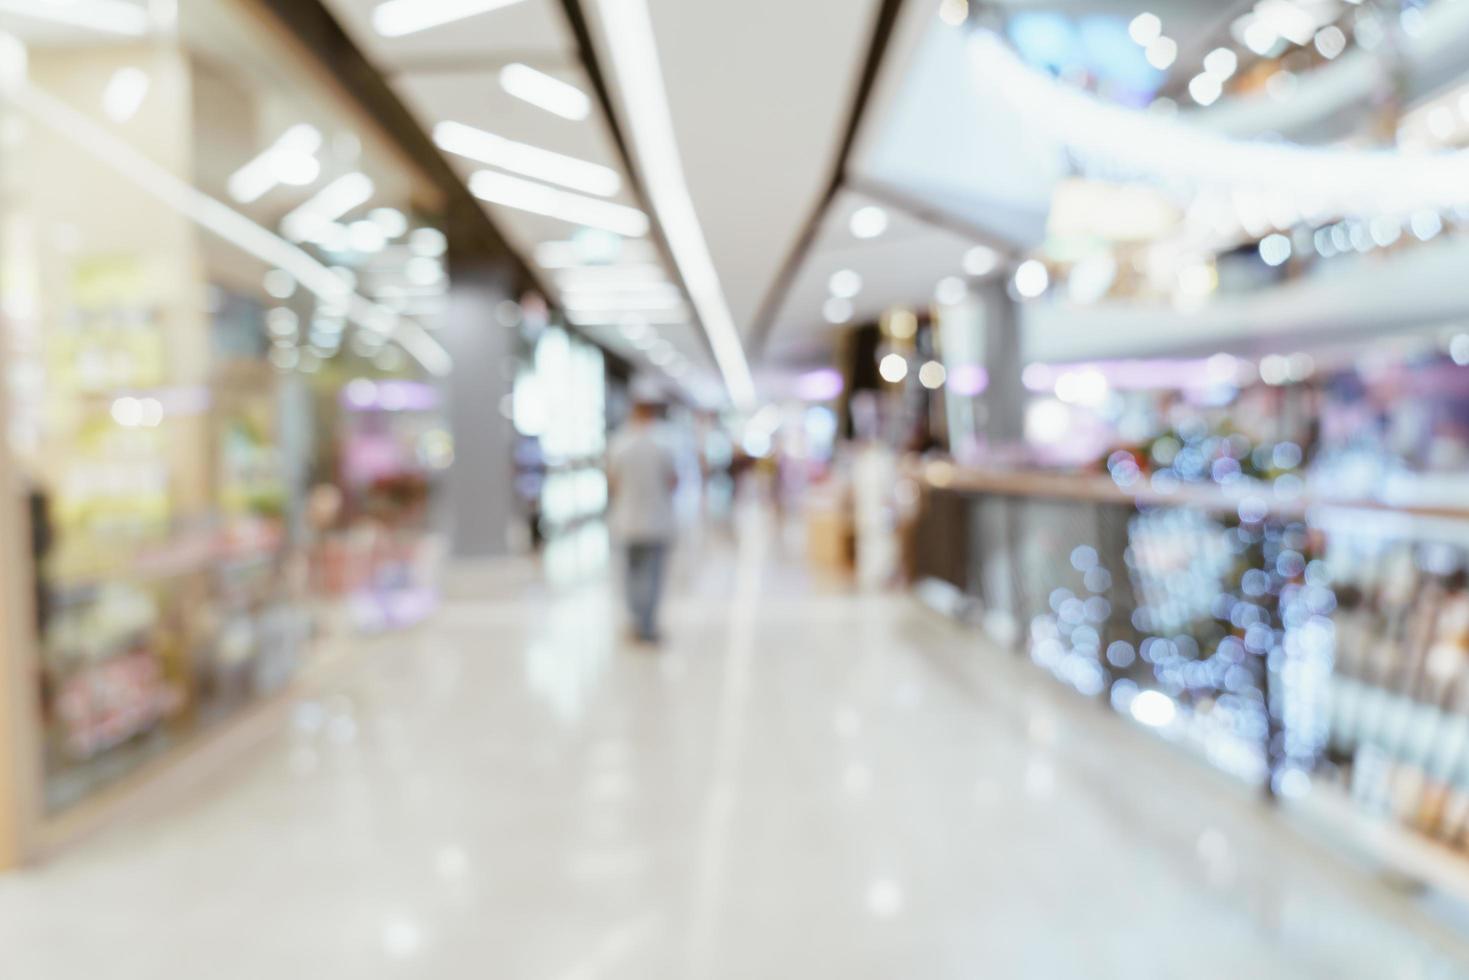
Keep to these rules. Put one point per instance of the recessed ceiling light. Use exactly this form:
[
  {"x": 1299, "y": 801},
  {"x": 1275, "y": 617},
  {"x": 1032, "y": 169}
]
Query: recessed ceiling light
[
  {"x": 1162, "y": 52},
  {"x": 981, "y": 260},
  {"x": 837, "y": 310},
  {"x": 951, "y": 291},
  {"x": 1145, "y": 28},
  {"x": 531, "y": 161},
  {"x": 527, "y": 195},
  {"x": 545, "y": 92},
  {"x": 1222, "y": 62},
  {"x": 893, "y": 368},
  {"x": 869, "y": 222},
  {"x": 398, "y": 18},
  {"x": 1032, "y": 278},
  {"x": 845, "y": 283}
]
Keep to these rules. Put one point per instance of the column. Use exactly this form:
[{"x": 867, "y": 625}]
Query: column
[
  {"x": 479, "y": 498},
  {"x": 1004, "y": 397}
]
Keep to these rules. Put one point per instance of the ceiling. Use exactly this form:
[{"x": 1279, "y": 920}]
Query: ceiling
[
  {"x": 451, "y": 73},
  {"x": 758, "y": 114}
]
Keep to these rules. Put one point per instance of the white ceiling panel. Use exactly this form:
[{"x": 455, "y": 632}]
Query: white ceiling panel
[{"x": 759, "y": 92}]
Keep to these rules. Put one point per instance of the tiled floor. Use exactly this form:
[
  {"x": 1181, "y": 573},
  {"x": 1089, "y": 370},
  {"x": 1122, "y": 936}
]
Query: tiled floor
[{"x": 805, "y": 783}]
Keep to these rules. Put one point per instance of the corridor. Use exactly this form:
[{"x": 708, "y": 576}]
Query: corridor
[{"x": 804, "y": 783}]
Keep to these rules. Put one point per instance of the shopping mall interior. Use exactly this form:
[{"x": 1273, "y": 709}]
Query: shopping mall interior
[{"x": 678, "y": 490}]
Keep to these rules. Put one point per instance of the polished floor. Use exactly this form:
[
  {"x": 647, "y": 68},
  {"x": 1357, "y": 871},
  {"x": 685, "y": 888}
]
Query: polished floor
[{"x": 805, "y": 783}]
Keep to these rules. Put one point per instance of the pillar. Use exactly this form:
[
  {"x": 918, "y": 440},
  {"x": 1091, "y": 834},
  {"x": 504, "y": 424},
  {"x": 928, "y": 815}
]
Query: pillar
[
  {"x": 479, "y": 493},
  {"x": 1004, "y": 396}
]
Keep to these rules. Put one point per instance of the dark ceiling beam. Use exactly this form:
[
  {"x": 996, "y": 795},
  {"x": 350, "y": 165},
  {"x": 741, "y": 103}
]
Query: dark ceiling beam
[
  {"x": 882, "y": 32},
  {"x": 470, "y": 228}
]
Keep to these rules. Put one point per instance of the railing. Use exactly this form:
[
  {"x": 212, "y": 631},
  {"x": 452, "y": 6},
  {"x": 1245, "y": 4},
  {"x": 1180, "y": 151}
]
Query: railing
[{"x": 1318, "y": 648}]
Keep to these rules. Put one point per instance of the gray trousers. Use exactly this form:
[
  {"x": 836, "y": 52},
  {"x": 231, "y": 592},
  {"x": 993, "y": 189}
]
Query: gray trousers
[{"x": 644, "y": 584}]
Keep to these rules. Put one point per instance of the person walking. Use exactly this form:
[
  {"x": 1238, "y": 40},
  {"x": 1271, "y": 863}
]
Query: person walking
[{"x": 642, "y": 477}]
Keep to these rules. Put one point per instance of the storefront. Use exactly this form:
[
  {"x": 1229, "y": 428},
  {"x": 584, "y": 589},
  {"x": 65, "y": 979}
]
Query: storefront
[{"x": 207, "y": 257}]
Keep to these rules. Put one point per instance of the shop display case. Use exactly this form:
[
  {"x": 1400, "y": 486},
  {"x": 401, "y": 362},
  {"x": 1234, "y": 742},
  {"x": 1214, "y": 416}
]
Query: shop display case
[{"x": 196, "y": 233}]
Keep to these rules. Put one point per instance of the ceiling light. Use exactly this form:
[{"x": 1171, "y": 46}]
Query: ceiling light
[
  {"x": 868, "y": 222},
  {"x": 527, "y": 195},
  {"x": 367, "y": 237},
  {"x": 423, "y": 271},
  {"x": 954, "y": 12},
  {"x": 291, "y": 159},
  {"x": 893, "y": 368},
  {"x": 545, "y": 92},
  {"x": 1221, "y": 63},
  {"x": 1286, "y": 19},
  {"x": 391, "y": 221},
  {"x": 428, "y": 241},
  {"x": 124, "y": 94},
  {"x": 932, "y": 375},
  {"x": 609, "y": 276},
  {"x": 1205, "y": 89},
  {"x": 663, "y": 299},
  {"x": 629, "y": 34},
  {"x": 845, "y": 284},
  {"x": 615, "y": 318},
  {"x": 1162, "y": 52},
  {"x": 1145, "y": 28},
  {"x": 397, "y": 18},
  {"x": 1032, "y": 278},
  {"x": 522, "y": 158},
  {"x": 1330, "y": 41},
  {"x": 1260, "y": 37},
  {"x": 1425, "y": 224},
  {"x": 837, "y": 310},
  {"x": 902, "y": 324},
  {"x": 107, "y": 16},
  {"x": 280, "y": 284},
  {"x": 1275, "y": 249},
  {"x": 950, "y": 291},
  {"x": 341, "y": 196},
  {"x": 981, "y": 260}
]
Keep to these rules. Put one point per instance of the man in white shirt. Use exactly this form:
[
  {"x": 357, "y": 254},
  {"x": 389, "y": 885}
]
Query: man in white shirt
[{"x": 642, "y": 477}]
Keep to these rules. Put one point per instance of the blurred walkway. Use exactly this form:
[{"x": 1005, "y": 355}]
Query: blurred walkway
[{"x": 806, "y": 784}]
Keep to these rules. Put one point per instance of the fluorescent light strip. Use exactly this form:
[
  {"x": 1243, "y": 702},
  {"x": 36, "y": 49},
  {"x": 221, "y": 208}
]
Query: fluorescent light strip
[
  {"x": 258, "y": 177},
  {"x": 621, "y": 302},
  {"x": 106, "y": 16},
  {"x": 608, "y": 318},
  {"x": 577, "y": 277},
  {"x": 229, "y": 224},
  {"x": 545, "y": 92},
  {"x": 614, "y": 288},
  {"x": 398, "y": 18},
  {"x": 527, "y": 195},
  {"x": 522, "y": 158},
  {"x": 336, "y": 199},
  {"x": 629, "y": 31}
]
